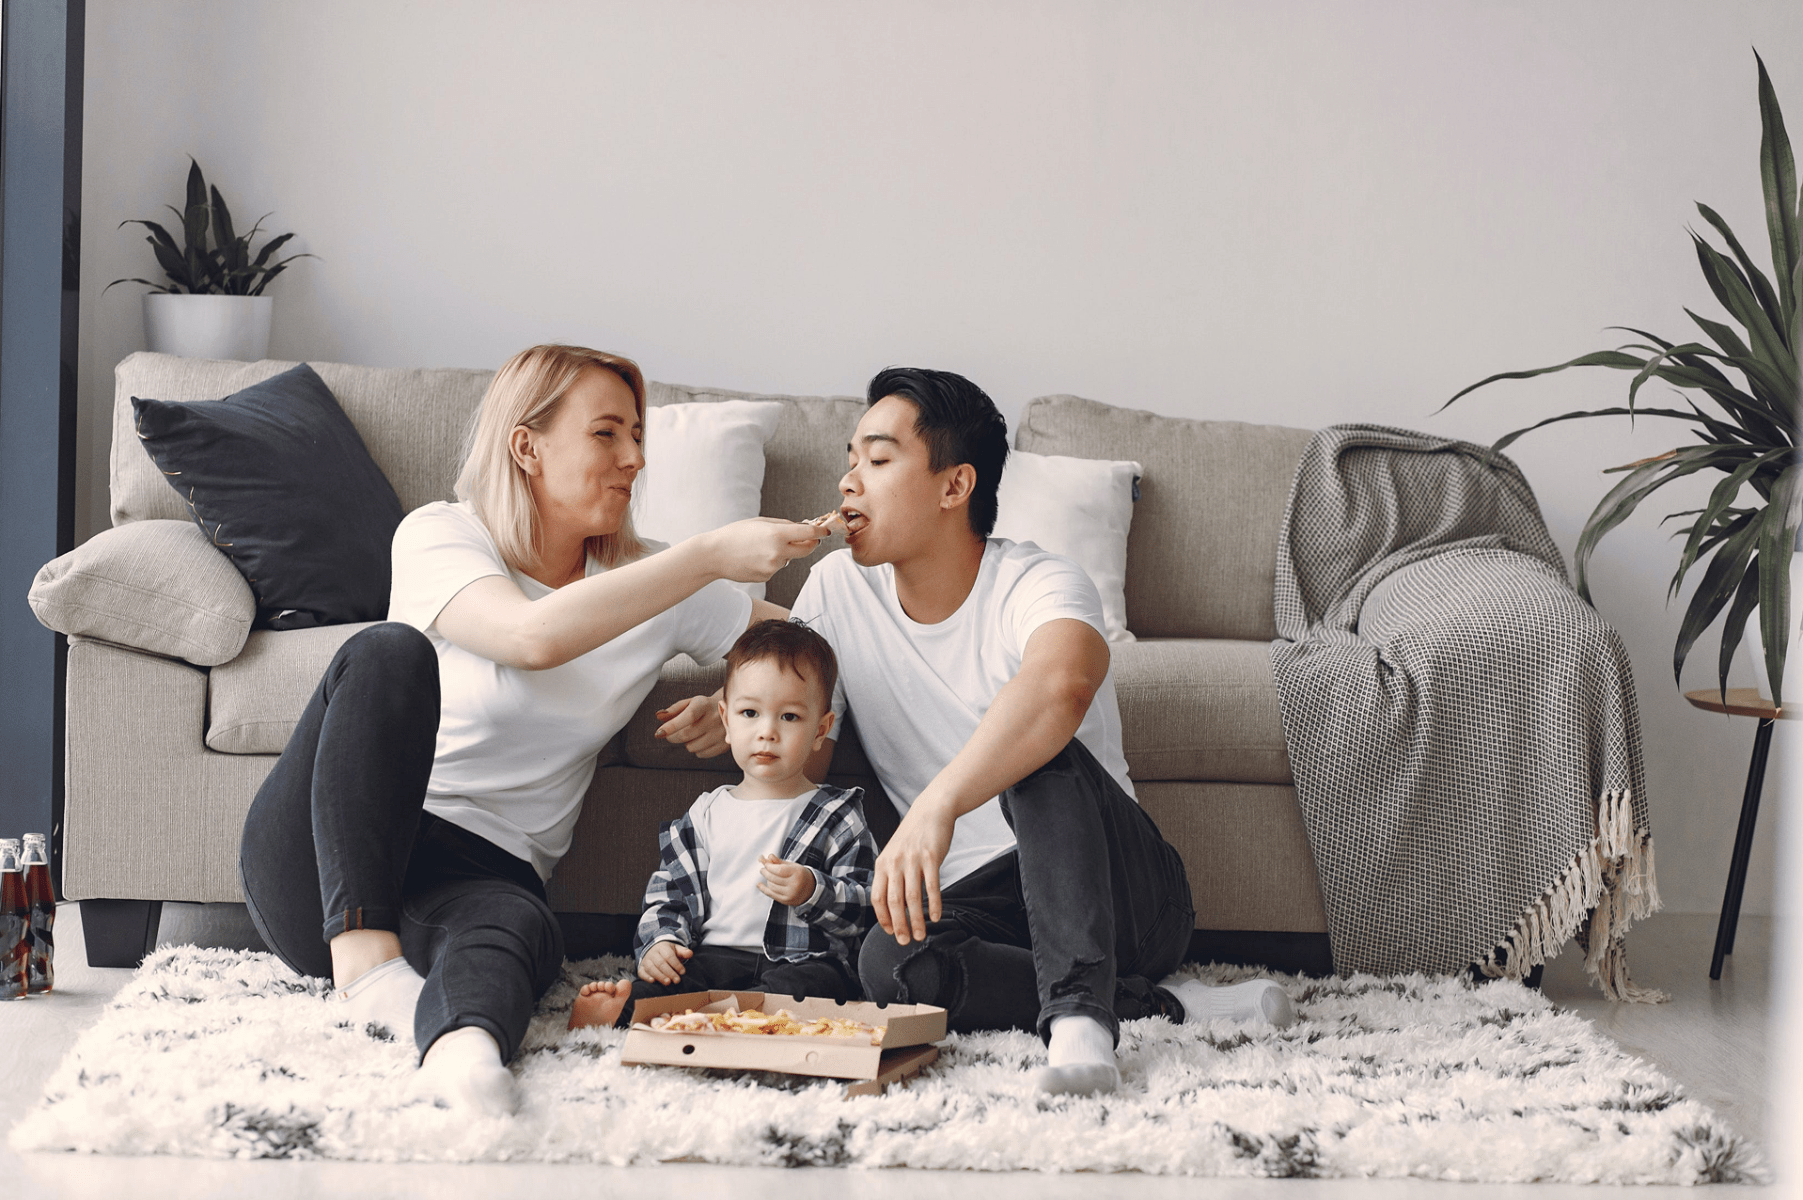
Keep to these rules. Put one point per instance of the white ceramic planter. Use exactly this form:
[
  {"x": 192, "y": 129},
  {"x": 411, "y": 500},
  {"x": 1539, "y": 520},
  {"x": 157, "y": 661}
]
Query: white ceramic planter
[{"x": 231, "y": 327}]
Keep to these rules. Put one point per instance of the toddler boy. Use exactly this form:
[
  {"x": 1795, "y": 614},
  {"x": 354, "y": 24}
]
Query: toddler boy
[{"x": 764, "y": 885}]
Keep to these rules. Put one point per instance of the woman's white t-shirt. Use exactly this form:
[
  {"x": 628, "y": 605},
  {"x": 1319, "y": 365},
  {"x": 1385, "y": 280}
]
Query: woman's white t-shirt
[
  {"x": 516, "y": 748},
  {"x": 919, "y": 691}
]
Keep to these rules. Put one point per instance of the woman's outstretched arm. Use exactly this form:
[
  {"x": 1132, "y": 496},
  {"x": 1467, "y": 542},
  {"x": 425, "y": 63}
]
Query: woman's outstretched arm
[{"x": 493, "y": 618}]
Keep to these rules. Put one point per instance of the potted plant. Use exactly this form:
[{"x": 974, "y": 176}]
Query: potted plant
[
  {"x": 211, "y": 302},
  {"x": 1745, "y": 429}
]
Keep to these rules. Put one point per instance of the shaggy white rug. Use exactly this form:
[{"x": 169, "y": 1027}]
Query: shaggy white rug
[{"x": 227, "y": 1054}]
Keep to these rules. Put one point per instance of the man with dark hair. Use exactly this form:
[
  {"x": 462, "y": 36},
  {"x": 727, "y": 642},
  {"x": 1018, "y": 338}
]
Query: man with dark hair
[{"x": 1024, "y": 888}]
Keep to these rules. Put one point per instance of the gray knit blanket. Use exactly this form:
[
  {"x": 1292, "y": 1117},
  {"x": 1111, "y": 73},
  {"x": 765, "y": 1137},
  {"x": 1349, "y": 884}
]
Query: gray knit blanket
[{"x": 1461, "y": 726}]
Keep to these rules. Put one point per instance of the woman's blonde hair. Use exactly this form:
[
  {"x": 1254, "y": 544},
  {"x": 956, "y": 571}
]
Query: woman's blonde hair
[{"x": 528, "y": 390}]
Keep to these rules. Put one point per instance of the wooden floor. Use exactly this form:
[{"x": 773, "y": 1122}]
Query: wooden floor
[{"x": 1712, "y": 1038}]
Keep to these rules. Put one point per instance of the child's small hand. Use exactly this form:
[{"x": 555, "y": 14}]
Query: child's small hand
[
  {"x": 663, "y": 963},
  {"x": 785, "y": 882}
]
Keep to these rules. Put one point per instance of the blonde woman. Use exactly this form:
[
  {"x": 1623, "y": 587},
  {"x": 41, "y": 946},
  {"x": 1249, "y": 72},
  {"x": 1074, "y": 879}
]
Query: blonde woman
[{"x": 403, "y": 840}]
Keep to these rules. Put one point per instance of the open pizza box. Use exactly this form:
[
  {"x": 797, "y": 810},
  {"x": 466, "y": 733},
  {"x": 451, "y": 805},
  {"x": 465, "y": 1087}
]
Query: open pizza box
[{"x": 870, "y": 1064}]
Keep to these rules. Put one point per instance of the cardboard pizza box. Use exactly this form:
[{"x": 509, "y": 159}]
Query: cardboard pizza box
[{"x": 900, "y": 1054}]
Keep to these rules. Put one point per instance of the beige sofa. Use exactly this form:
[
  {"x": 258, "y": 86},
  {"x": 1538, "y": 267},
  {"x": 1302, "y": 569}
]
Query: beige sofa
[{"x": 176, "y": 708}]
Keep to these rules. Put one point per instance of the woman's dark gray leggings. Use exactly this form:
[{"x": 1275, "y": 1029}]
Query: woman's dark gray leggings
[{"x": 337, "y": 840}]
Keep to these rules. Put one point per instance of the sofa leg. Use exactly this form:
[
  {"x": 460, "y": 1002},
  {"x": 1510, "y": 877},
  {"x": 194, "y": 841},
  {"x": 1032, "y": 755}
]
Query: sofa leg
[{"x": 119, "y": 933}]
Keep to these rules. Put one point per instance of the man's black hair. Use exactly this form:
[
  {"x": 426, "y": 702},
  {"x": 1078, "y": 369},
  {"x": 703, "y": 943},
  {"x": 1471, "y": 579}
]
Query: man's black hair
[{"x": 959, "y": 424}]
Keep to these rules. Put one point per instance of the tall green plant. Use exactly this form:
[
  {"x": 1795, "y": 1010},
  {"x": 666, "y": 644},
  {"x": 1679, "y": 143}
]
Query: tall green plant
[
  {"x": 224, "y": 268},
  {"x": 1749, "y": 432}
]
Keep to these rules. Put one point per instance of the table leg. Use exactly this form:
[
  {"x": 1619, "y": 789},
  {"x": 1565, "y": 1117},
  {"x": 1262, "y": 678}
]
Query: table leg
[{"x": 1743, "y": 848}]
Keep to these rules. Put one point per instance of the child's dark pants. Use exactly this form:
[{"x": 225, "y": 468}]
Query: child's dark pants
[{"x": 724, "y": 969}]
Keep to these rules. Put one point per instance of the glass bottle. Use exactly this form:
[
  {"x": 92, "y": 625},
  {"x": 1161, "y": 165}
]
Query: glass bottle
[
  {"x": 40, "y": 893},
  {"x": 15, "y": 923}
]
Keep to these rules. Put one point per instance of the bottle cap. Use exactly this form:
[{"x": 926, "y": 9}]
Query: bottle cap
[{"x": 34, "y": 837}]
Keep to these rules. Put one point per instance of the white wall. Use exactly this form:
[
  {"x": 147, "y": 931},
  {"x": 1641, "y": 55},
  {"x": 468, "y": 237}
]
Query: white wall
[{"x": 1300, "y": 213}]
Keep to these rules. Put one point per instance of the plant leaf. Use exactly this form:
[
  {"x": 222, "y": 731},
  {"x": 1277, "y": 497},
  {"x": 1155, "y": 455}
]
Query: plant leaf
[
  {"x": 1734, "y": 627},
  {"x": 1720, "y": 500},
  {"x": 270, "y": 247},
  {"x": 1761, "y": 286},
  {"x": 1626, "y": 496},
  {"x": 1600, "y": 358},
  {"x": 227, "y": 242},
  {"x": 155, "y": 287},
  {"x": 1720, "y": 581},
  {"x": 1509, "y": 439},
  {"x": 1731, "y": 289},
  {"x": 1778, "y": 180},
  {"x": 197, "y": 186},
  {"x": 1777, "y": 536},
  {"x": 1736, "y": 521}
]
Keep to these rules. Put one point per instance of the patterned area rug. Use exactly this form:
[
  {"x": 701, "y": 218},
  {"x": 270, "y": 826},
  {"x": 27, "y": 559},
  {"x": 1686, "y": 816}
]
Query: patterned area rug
[{"x": 226, "y": 1054}]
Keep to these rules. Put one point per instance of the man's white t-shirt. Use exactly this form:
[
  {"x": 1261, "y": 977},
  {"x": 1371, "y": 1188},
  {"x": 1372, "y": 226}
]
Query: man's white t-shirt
[
  {"x": 516, "y": 748},
  {"x": 736, "y": 833},
  {"x": 919, "y": 691}
]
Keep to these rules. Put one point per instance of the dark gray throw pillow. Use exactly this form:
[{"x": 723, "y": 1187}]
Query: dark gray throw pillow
[{"x": 277, "y": 476}]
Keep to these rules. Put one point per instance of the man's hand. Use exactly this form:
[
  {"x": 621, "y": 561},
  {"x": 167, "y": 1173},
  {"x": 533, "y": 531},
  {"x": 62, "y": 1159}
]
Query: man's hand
[
  {"x": 663, "y": 963},
  {"x": 694, "y": 723},
  {"x": 785, "y": 882},
  {"x": 905, "y": 892}
]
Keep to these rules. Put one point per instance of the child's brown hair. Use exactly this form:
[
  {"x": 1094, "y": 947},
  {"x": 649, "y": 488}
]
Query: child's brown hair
[{"x": 794, "y": 646}]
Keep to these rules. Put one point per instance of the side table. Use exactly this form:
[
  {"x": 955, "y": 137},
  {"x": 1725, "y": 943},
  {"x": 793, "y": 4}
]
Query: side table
[{"x": 1741, "y": 702}]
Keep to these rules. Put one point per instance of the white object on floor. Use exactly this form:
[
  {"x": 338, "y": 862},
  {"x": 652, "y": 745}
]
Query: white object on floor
[
  {"x": 387, "y": 995},
  {"x": 1254, "y": 1000},
  {"x": 227, "y": 1054},
  {"x": 1079, "y": 1058},
  {"x": 463, "y": 1069}
]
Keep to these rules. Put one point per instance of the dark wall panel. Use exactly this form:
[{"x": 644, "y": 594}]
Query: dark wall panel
[{"x": 40, "y": 257}]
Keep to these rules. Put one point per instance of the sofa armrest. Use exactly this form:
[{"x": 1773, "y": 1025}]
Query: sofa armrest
[{"x": 156, "y": 586}]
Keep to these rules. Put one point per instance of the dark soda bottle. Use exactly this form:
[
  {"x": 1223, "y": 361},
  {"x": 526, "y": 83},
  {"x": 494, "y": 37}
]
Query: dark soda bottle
[
  {"x": 41, "y": 895},
  {"x": 15, "y": 923}
]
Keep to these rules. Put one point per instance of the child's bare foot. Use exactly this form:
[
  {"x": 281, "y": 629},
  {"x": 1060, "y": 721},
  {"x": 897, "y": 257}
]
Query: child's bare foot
[{"x": 600, "y": 1003}]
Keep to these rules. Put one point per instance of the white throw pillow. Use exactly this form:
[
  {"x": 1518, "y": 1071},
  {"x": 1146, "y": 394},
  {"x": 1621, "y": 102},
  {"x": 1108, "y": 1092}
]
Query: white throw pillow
[
  {"x": 1080, "y": 508},
  {"x": 704, "y": 468}
]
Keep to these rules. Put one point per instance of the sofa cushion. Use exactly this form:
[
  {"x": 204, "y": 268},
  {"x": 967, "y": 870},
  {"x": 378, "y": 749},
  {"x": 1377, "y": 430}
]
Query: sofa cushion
[
  {"x": 1190, "y": 709},
  {"x": 1202, "y": 553},
  {"x": 412, "y": 421},
  {"x": 254, "y": 701},
  {"x": 1200, "y": 709},
  {"x": 803, "y": 461},
  {"x": 159, "y": 586},
  {"x": 278, "y": 477}
]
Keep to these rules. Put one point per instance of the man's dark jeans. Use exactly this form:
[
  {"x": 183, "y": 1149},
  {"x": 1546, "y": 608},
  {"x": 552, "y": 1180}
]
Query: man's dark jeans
[
  {"x": 337, "y": 839},
  {"x": 1088, "y": 912}
]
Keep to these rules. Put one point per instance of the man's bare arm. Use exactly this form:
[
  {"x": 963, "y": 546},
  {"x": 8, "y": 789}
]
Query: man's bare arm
[{"x": 1033, "y": 717}]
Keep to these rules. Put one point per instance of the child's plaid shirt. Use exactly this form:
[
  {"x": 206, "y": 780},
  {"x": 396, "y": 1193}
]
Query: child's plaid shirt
[{"x": 830, "y": 838}]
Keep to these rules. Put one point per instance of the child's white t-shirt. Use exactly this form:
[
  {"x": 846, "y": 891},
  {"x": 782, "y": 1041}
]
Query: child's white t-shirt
[
  {"x": 735, "y": 834},
  {"x": 919, "y": 691},
  {"x": 516, "y": 748}
]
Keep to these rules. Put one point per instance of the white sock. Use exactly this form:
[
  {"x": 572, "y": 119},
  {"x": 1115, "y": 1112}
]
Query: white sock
[
  {"x": 1079, "y": 1058},
  {"x": 464, "y": 1070},
  {"x": 385, "y": 995},
  {"x": 1253, "y": 1000}
]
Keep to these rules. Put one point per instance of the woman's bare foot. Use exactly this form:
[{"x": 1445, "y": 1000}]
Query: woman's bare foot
[{"x": 600, "y": 1002}]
